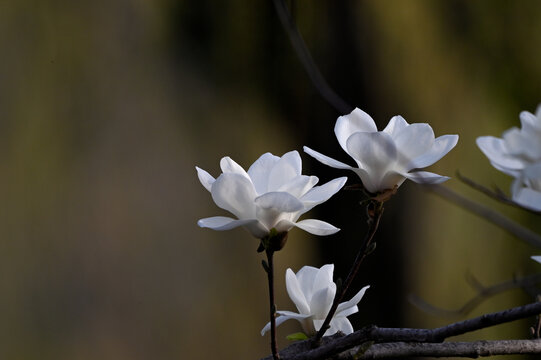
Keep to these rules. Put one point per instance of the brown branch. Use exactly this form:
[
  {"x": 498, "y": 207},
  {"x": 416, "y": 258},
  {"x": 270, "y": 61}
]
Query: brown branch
[
  {"x": 375, "y": 211},
  {"x": 492, "y": 216},
  {"x": 337, "y": 344}
]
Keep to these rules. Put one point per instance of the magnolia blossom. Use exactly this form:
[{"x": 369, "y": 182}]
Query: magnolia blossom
[
  {"x": 272, "y": 194},
  {"x": 537, "y": 258},
  {"x": 518, "y": 153},
  {"x": 312, "y": 290},
  {"x": 386, "y": 158}
]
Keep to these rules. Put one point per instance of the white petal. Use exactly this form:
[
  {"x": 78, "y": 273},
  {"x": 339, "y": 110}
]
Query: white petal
[
  {"x": 228, "y": 165},
  {"x": 354, "y": 301},
  {"x": 321, "y": 301},
  {"x": 528, "y": 198},
  {"x": 498, "y": 154},
  {"x": 395, "y": 125},
  {"x": 300, "y": 185},
  {"x": 312, "y": 226},
  {"x": 529, "y": 121},
  {"x": 323, "y": 279},
  {"x": 326, "y": 160},
  {"x": 285, "y": 170},
  {"x": 260, "y": 170},
  {"x": 206, "y": 179},
  {"x": 322, "y": 193},
  {"x": 347, "y": 125},
  {"x": 442, "y": 145},
  {"x": 523, "y": 143},
  {"x": 279, "y": 201},
  {"x": 425, "y": 177},
  {"x": 413, "y": 141},
  {"x": 340, "y": 324},
  {"x": 536, "y": 258},
  {"x": 306, "y": 277},
  {"x": 223, "y": 223},
  {"x": 235, "y": 193},
  {"x": 375, "y": 153},
  {"x": 295, "y": 293},
  {"x": 283, "y": 317}
]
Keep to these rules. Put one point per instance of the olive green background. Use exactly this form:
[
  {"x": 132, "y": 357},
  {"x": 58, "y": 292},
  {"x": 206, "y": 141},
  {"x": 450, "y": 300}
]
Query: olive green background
[{"x": 106, "y": 107}]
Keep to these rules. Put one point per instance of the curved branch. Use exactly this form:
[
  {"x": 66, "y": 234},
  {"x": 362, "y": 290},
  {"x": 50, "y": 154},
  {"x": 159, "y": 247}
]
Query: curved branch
[
  {"x": 483, "y": 294},
  {"x": 307, "y": 61},
  {"x": 488, "y": 214}
]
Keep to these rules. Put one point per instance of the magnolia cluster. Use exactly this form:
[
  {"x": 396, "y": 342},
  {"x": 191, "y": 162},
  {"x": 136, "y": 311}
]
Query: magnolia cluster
[
  {"x": 271, "y": 196},
  {"x": 518, "y": 153}
]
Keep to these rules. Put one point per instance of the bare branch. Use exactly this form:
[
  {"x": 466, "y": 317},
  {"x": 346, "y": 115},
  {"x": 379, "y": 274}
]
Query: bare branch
[
  {"x": 488, "y": 214},
  {"x": 497, "y": 195},
  {"x": 337, "y": 344},
  {"x": 483, "y": 294}
]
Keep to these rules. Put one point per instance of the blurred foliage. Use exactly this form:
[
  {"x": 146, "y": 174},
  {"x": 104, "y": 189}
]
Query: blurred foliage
[{"x": 106, "y": 107}]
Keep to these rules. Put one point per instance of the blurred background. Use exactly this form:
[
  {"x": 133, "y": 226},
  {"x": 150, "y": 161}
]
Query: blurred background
[{"x": 106, "y": 107}]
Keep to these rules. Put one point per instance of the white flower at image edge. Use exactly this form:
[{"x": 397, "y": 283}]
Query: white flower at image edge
[
  {"x": 537, "y": 258},
  {"x": 312, "y": 290},
  {"x": 518, "y": 153},
  {"x": 386, "y": 158},
  {"x": 272, "y": 194}
]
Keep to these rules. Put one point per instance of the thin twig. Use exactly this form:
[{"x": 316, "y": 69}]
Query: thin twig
[
  {"x": 270, "y": 276},
  {"x": 375, "y": 210},
  {"x": 483, "y": 294},
  {"x": 488, "y": 214},
  {"x": 307, "y": 61},
  {"x": 496, "y": 195}
]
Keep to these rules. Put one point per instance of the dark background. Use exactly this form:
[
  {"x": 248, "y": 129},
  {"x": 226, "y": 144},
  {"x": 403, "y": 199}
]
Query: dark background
[{"x": 106, "y": 107}]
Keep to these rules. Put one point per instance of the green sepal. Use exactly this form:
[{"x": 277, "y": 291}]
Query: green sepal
[{"x": 297, "y": 336}]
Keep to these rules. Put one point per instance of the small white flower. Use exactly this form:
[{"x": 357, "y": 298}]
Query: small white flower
[
  {"x": 536, "y": 258},
  {"x": 517, "y": 148},
  {"x": 272, "y": 194},
  {"x": 386, "y": 158},
  {"x": 518, "y": 153},
  {"x": 312, "y": 290}
]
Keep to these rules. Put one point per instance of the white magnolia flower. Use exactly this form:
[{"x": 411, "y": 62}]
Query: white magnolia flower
[
  {"x": 537, "y": 258},
  {"x": 272, "y": 194},
  {"x": 526, "y": 189},
  {"x": 312, "y": 290},
  {"x": 386, "y": 158},
  {"x": 518, "y": 153},
  {"x": 517, "y": 148}
]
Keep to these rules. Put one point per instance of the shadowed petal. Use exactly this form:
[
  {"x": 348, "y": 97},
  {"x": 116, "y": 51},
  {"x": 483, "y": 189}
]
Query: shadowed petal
[
  {"x": 442, "y": 145},
  {"x": 326, "y": 160},
  {"x": 528, "y": 198},
  {"x": 223, "y": 223},
  {"x": 395, "y": 125},
  {"x": 300, "y": 185},
  {"x": 284, "y": 316},
  {"x": 322, "y": 193},
  {"x": 206, "y": 179},
  {"x": 353, "y": 302},
  {"x": 235, "y": 193},
  {"x": 285, "y": 170},
  {"x": 312, "y": 226},
  {"x": 347, "y": 125},
  {"x": 321, "y": 301},
  {"x": 229, "y": 165},
  {"x": 413, "y": 141},
  {"x": 340, "y": 324},
  {"x": 497, "y": 152},
  {"x": 260, "y": 170},
  {"x": 425, "y": 177},
  {"x": 295, "y": 292}
]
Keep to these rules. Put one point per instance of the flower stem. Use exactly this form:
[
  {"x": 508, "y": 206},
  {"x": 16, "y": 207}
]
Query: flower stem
[
  {"x": 374, "y": 211},
  {"x": 270, "y": 275}
]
